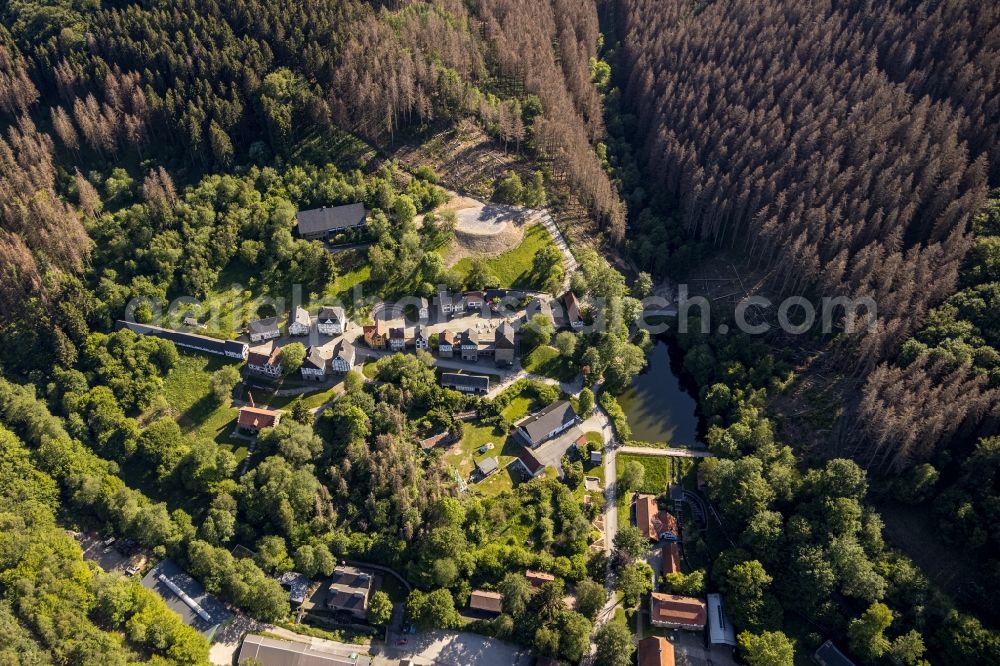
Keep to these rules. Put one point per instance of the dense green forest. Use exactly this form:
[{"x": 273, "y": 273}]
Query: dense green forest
[{"x": 156, "y": 149}]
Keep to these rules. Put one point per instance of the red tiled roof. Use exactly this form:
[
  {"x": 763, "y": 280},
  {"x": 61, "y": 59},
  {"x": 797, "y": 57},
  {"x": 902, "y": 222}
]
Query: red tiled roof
[
  {"x": 650, "y": 520},
  {"x": 656, "y": 651},
  {"x": 255, "y": 417},
  {"x": 674, "y": 609},
  {"x": 538, "y": 578},
  {"x": 486, "y": 601},
  {"x": 671, "y": 558},
  {"x": 529, "y": 460}
]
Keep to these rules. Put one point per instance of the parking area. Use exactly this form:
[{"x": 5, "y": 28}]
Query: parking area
[
  {"x": 450, "y": 648},
  {"x": 102, "y": 550},
  {"x": 550, "y": 453}
]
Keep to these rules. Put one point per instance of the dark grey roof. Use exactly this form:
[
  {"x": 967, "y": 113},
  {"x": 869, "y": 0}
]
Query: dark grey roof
[
  {"x": 277, "y": 652},
  {"x": 343, "y": 349},
  {"x": 268, "y": 325},
  {"x": 330, "y": 218},
  {"x": 829, "y": 655},
  {"x": 470, "y": 336},
  {"x": 331, "y": 313},
  {"x": 183, "y": 339},
  {"x": 504, "y": 336},
  {"x": 299, "y": 315},
  {"x": 419, "y": 332},
  {"x": 488, "y": 465},
  {"x": 541, "y": 423},
  {"x": 471, "y": 381},
  {"x": 314, "y": 359},
  {"x": 349, "y": 589},
  {"x": 174, "y": 577},
  {"x": 296, "y": 583}
]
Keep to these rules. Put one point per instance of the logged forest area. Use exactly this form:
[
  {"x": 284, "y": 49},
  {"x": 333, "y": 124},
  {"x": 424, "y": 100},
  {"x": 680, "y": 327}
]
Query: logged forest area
[{"x": 848, "y": 481}]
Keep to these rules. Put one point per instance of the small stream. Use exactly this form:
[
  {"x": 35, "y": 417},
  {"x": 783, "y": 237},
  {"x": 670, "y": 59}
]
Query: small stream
[{"x": 660, "y": 406}]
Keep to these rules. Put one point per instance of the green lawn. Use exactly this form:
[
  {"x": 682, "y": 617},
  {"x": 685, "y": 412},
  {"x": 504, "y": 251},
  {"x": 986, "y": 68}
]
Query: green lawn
[
  {"x": 658, "y": 471},
  {"x": 513, "y": 268},
  {"x": 310, "y": 400},
  {"x": 344, "y": 284},
  {"x": 545, "y": 360},
  {"x": 187, "y": 391},
  {"x": 465, "y": 456}
]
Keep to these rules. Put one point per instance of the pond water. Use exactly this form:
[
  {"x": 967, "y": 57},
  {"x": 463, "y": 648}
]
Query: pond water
[{"x": 659, "y": 407}]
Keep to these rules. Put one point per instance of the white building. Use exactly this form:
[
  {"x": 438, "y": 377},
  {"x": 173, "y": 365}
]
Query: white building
[
  {"x": 314, "y": 366},
  {"x": 298, "y": 321},
  {"x": 331, "y": 320},
  {"x": 343, "y": 357},
  {"x": 264, "y": 329}
]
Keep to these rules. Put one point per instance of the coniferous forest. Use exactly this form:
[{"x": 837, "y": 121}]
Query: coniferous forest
[{"x": 156, "y": 148}]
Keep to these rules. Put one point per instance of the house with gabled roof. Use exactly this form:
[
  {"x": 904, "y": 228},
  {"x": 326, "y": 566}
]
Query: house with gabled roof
[
  {"x": 321, "y": 223},
  {"x": 331, "y": 320},
  {"x": 676, "y": 612},
  {"x": 376, "y": 335},
  {"x": 574, "y": 315},
  {"x": 261, "y": 330},
  {"x": 503, "y": 345},
  {"x": 446, "y": 344},
  {"x": 299, "y": 322},
  {"x": 473, "y": 301},
  {"x": 314, "y": 367},
  {"x": 229, "y": 348},
  {"x": 350, "y": 590},
  {"x": 546, "y": 423},
  {"x": 397, "y": 338},
  {"x": 465, "y": 383},
  {"x": 254, "y": 419},
  {"x": 486, "y": 602},
  {"x": 265, "y": 363},
  {"x": 470, "y": 345},
  {"x": 343, "y": 357},
  {"x": 420, "y": 340}
]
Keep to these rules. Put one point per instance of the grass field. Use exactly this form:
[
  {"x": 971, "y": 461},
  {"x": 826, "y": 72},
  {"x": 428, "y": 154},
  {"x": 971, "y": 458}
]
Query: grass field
[
  {"x": 187, "y": 391},
  {"x": 513, "y": 268},
  {"x": 310, "y": 400},
  {"x": 545, "y": 360},
  {"x": 658, "y": 471}
]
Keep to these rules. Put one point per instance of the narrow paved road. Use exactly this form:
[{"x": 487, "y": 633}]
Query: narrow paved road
[
  {"x": 666, "y": 452},
  {"x": 569, "y": 261}
]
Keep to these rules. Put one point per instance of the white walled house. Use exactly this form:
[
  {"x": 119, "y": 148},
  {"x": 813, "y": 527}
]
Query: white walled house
[
  {"x": 397, "y": 339},
  {"x": 420, "y": 340},
  {"x": 298, "y": 321},
  {"x": 331, "y": 320},
  {"x": 314, "y": 366},
  {"x": 343, "y": 357},
  {"x": 262, "y": 330},
  {"x": 265, "y": 363}
]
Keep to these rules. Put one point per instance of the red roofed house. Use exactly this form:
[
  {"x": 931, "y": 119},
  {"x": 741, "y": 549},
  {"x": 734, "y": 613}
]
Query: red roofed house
[
  {"x": 488, "y": 602},
  {"x": 671, "y": 558},
  {"x": 265, "y": 363},
  {"x": 538, "y": 578},
  {"x": 254, "y": 419},
  {"x": 650, "y": 520},
  {"x": 674, "y": 612},
  {"x": 573, "y": 315},
  {"x": 656, "y": 651},
  {"x": 376, "y": 336}
]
